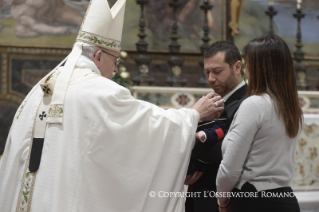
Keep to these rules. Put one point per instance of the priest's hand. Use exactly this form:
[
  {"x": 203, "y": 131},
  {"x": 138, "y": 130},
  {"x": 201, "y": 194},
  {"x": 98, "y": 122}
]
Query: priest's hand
[{"x": 209, "y": 107}]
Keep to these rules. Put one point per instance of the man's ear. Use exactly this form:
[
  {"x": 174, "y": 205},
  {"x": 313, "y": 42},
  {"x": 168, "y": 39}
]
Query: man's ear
[
  {"x": 97, "y": 58},
  {"x": 237, "y": 67}
]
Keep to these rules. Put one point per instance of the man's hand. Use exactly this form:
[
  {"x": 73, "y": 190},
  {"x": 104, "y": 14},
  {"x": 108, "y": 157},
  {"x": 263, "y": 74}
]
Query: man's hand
[
  {"x": 191, "y": 179},
  {"x": 227, "y": 209},
  {"x": 224, "y": 206},
  {"x": 209, "y": 107}
]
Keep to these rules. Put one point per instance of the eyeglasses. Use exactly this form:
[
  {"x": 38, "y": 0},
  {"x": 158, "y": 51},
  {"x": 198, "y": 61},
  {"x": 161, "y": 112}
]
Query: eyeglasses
[{"x": 118, "y": 59}]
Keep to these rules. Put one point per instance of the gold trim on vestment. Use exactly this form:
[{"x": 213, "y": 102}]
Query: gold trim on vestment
[{"x": 26, "y": 169}]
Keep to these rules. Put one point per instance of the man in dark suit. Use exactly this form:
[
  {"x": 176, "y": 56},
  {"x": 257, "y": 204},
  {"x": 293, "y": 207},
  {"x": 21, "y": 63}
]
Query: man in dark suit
[{"x": 222, "y": 64}]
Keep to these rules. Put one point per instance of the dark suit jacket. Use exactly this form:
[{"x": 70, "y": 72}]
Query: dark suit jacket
[{"x": 213, "y": 157}]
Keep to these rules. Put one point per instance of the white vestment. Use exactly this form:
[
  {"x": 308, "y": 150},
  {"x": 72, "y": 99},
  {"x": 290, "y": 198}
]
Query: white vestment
[{"x": 110, "y": 153}]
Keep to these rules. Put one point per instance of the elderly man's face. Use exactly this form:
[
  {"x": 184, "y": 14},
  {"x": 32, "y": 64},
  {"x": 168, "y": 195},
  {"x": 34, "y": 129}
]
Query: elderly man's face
[{"x": 105, "y": 60}]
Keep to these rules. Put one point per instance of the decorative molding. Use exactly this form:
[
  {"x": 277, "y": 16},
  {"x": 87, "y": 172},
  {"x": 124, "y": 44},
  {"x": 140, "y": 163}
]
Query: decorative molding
[
  {"x": 154, "y": 89},
  {"x": 306, "y": 175},
  {"x": 41, "y": 51},
  {"x": 12, "y": 99},
  {"x": 4, "y": 64},
  {"x": 309, "y": 101}
]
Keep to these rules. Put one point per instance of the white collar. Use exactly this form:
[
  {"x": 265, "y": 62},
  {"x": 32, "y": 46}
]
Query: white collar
[
  {"x": 85, "y": 62},
  {"x": 233, "y": 91}
]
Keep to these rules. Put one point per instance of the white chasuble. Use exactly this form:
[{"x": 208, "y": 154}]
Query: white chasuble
[{"x": 110, "y": 154}]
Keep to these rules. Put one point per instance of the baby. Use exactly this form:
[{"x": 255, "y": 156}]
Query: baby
[
  {"x": 208, "y": 134},
  {"x": 214, "y": 133}
]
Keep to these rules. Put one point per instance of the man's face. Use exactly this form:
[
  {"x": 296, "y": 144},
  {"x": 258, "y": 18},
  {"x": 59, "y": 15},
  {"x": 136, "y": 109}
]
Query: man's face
[
  {"x": 106, "y": 62},
  {"x": 220, "y": 76}
]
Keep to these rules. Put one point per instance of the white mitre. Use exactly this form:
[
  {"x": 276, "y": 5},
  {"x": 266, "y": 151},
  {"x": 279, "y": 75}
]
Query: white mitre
[{"x": 102, "y": 27}]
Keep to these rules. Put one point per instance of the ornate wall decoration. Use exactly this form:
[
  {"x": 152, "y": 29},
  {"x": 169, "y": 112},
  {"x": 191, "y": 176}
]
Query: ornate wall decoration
[
  {"x": 21, "y": 69},
  {"x": 307, "y": 157}
]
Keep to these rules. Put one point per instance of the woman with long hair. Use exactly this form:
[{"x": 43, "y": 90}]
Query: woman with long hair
[{"x": 260, "y": 147}]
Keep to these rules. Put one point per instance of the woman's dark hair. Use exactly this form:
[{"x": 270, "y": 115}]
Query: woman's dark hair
[{"x": 271, "y": 70}]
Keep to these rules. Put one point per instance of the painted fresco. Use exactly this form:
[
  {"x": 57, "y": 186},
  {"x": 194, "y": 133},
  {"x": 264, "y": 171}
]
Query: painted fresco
[
  {"x": 254, "y": 23},
  {"x": 40, "y": 23},
  {"x": 159, "y": 15},
  {"x": 55, "y": 23}
]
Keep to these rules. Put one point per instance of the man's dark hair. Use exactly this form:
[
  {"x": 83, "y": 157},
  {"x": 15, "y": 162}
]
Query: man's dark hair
[{"x": 232, "y": 54}]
